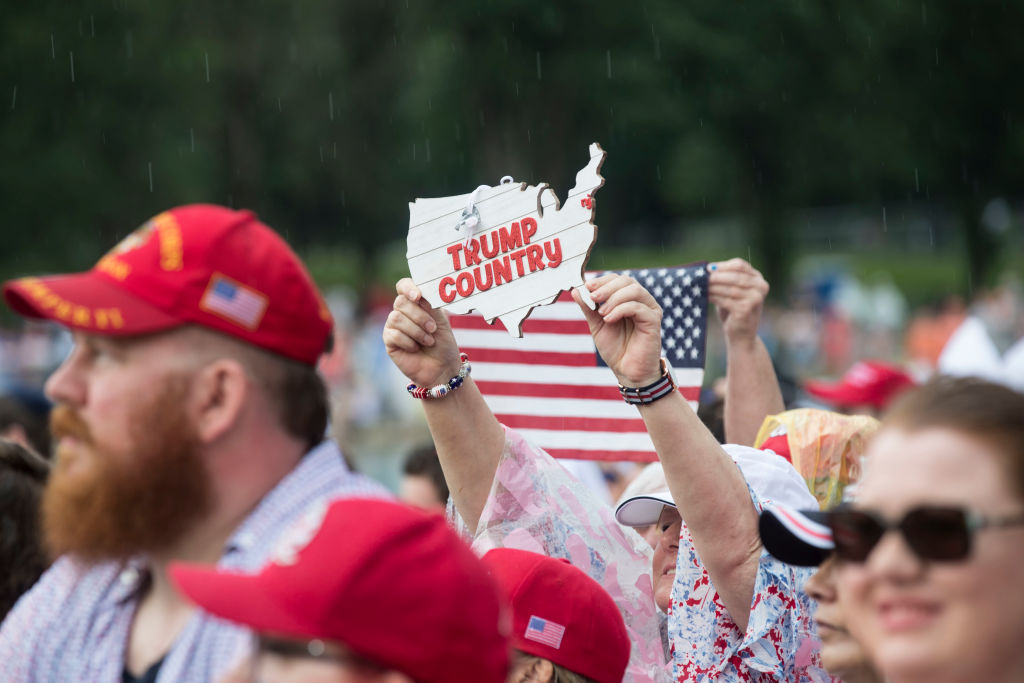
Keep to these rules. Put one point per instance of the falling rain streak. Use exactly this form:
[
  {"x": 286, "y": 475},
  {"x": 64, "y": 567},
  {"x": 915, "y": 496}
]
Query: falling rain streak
[
  {"x": 150, "y": 166},
  {"x": 14, "y": 96},
  {"x": 53, "y": 48},
  {"x": 192, "y": 139},
  {"x": 71, "y": 55},
  {"x": 330, "y": 105},
  {"x": 538, "y": 65},
  {"x": 608, "y": 54},
  {"x": 206, "y": 56}
]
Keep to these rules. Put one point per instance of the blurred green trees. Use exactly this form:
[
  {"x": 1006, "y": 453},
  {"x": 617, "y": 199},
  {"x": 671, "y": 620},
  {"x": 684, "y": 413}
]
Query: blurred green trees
[{"x": 327, "y": 118}]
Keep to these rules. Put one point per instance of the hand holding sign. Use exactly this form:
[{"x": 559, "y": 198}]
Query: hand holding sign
[{"x": 504, "y": 250}]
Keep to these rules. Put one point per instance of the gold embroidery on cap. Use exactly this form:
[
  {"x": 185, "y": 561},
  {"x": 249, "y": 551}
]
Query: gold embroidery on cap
[
  {"x": 114, "y": 267},
  {"x": 170, "y": 241},
  {"x": 75, "y": 314}
]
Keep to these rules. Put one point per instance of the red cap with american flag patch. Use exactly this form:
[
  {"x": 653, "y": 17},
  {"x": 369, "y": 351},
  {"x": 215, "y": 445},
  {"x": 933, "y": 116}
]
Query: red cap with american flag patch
[
  {"x": 561, "y": 614},
  {"x": 200, "y": 264}
]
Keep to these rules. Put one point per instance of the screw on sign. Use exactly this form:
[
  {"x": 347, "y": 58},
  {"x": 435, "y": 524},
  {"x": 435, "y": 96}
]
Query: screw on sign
[{"x": 506, "y": 249}]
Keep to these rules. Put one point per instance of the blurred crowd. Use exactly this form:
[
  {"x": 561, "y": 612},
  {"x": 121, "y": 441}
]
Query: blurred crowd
[{"x": 211, "y": 506}]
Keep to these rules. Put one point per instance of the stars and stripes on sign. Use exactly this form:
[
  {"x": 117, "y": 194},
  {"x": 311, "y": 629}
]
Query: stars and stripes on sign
[
  {"x": 552, "y": 385},
  {"x": 544, "y": 631},
  {"x": 234, "y": 301}
]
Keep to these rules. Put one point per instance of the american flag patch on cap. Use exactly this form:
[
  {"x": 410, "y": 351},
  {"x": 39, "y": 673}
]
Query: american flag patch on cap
[
  {"x": 234, "y": 301},
  {"x": 544, "y": 631}
]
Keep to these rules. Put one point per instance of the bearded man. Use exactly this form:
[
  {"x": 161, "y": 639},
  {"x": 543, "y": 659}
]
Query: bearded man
[{"x": 189, "y": 426}]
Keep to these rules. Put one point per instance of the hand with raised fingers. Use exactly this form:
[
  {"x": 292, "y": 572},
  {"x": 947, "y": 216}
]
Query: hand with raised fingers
[
  {"x": 626, "y": 328},
  {"x": 738, "y": 291},
  {"x": 419, "y": 339}
]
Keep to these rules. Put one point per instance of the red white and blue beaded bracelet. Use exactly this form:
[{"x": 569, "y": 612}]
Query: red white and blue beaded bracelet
[
  {"x": 441, "y": 390},
  {"x": 653, "y": 391}
]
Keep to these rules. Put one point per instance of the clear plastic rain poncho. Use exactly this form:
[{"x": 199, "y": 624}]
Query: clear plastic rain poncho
[{"x": 536, "y": 505}]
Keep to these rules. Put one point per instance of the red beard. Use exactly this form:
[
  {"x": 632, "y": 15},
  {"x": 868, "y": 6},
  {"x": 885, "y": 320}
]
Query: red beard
[{"x": 113, "y": 507}]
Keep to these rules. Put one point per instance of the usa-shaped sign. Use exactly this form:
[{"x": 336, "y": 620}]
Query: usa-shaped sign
[{"x": 506, "y": 249}]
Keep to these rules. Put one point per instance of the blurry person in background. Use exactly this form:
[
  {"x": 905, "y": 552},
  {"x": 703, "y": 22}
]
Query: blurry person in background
[
  {"x": 565, "y": 626},
  {"x": 931, "y": 553},
  {"x": 23, "y": 474},
  {"x": 802, "y": 538},
  {"x": 189, "y": 419},
  {"x": 24, "y": 418},
  {"x": 423, "y": 483},
  {"x": 404, "y": 601},
  {"x": 866, "y": 388}
]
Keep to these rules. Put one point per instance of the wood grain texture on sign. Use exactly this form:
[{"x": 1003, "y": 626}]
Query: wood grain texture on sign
[{"x": 524, "y": 250}]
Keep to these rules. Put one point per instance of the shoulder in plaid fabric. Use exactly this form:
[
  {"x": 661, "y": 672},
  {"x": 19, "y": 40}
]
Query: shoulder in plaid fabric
[{"x": 504, "y": 250}]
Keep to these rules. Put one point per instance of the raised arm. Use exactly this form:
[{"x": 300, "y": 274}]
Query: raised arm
[
  {"x": 468, "y": 437},
  {"x": 752, "y": 390},
  {"x": 706, "y": 485}
]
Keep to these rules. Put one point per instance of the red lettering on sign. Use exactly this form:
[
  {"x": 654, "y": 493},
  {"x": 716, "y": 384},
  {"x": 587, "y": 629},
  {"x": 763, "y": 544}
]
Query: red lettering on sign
[
  {"x": 535, "y": 257},
  {"x": 529, "y": 229},
  {"x": 502, "y": 270},
  {"x": 472, "y": 252},
  {"x": 464, "y": 284},
  {"x": 517, "y": 256},
  {"x": 493, "y": 250},
  {"x": 510, "y": 239},
  {"x": 553, "y": 250},
  {"x": 454, "y": 251},
  {"x": 445, "y": 291},
  {"x": 482, "y": 285}
]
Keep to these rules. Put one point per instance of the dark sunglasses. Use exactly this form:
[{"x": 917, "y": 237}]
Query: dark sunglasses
[{"x": 934, "y": 533}]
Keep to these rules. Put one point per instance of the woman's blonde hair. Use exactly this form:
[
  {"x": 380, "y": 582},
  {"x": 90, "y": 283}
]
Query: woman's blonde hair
[{"x": 560, "y": 674}]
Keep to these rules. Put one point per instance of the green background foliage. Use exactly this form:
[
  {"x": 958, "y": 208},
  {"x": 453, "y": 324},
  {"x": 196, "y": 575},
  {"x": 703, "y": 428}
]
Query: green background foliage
[{"x": 726, "y": 124}]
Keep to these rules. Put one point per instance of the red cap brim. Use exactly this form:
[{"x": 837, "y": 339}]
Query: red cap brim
[
  {"x": 240, "y": 598},
  {"x": 85, "y": 301},
  {"x": 838, "y": 394}
]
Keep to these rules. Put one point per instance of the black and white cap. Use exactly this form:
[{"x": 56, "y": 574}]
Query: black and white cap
[{"x": 797, "y": 537}]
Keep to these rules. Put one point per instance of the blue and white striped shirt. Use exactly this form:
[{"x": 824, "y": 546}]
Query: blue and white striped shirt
[{"x": 74, "y": 623}]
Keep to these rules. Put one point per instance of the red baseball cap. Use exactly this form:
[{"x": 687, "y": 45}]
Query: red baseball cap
[
  {"x": 199, "y": 264},
  {"x": 866, "y": 382},
  {"x": 392, "y": 583},
  {"x": 561, "y": 614}
]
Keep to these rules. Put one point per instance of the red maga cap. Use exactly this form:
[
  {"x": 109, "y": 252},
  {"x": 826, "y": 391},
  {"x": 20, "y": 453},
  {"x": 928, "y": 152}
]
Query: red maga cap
[
  {"x": 866, "y": 382},
  {"x": 561, "y": 614},
  {"x": 200, "y": 264},
  {"x": 392, "y": 583}
]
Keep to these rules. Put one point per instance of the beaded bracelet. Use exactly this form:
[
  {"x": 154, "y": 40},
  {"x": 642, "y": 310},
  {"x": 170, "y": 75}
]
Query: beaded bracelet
[
  {"x": 443, "y": 389},
  {"x": 653, "y": 391}
]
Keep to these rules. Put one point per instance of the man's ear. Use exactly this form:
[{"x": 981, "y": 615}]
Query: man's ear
[{"x": 219, "y": 392}]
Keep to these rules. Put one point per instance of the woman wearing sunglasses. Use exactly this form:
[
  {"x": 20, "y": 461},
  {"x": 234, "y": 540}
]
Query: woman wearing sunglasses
[{"x": 931, "y": 553}]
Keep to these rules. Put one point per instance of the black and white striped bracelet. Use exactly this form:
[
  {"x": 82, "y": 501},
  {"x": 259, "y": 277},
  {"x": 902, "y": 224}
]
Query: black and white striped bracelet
[{"x": 653, "y": 391}]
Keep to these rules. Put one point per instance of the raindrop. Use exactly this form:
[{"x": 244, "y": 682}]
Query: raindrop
[
  {"x": 917, "y": 182},
  {"x": 192, "y": 139},
  {"x": 414, "y": 151},
  {"x": 206, "y": 57},
  {"x": 335, "y": 150},
  {"x": 72, "y": 56},
  {"x": 657, "y": 169},
  {"x": 330, "y": 105},
  {"x": 427, "y": 145},
  {"x": 53, "y": 48},
  {"x": 278, "y": 105},
  {"x": 14, "y": 96},
  {"x": 529, "y": 136},
  {"x": 701, "y": 122},
  {"x": 885, "y": 223},
  {"x": 517, "y": 88},
  {"x": 936, "y": 56},
  {"x": 92, "y": 26},
  {"x": 608, "y": 54},
  {"x": 657, "y": 45},
  {"x": 150, "y": 165},
  {"x": 321, "y": 154},
  {"x": 538, "y": 64},
  {"x": 924, "y": 13},
  {"x": 103, "y": 137}
]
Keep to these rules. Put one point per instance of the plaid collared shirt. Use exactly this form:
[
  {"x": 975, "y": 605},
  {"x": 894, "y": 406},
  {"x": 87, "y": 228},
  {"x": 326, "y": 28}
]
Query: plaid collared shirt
[{"x": 74, "y": 623}]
